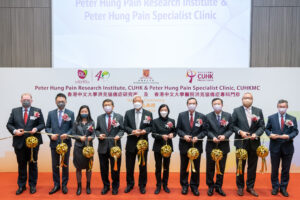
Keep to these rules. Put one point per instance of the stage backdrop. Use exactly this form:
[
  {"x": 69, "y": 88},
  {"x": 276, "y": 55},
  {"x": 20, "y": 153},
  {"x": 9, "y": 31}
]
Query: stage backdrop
[{"x": 157, "y": 86}]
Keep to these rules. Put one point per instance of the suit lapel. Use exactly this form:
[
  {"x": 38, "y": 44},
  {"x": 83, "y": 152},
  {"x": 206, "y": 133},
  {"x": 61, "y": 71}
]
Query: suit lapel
[
  {"x": 243, "y": 114},
  {"x": 103, "y": 122},
  {"x": 20, "y": 114},
  {"x": 31, "y": 113},
  {"x": 277, "y": 122},
  {"x": 142, "y": 118}
]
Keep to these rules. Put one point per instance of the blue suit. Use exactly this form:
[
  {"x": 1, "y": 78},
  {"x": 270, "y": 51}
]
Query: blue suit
[
  {"x": 52, "y": 126},
  {"x": 281, "y": 149}
]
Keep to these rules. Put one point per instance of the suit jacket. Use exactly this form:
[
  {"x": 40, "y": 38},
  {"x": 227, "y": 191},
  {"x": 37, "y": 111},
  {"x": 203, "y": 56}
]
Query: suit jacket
[
  {"x": 273, "y": 126},
  {"x": 16, "y": 121},
  {"x": 184, "y": 128},
  {"x": 215, "y": 129},
  {"x": 129, "y": 126},
  {"x": 240, "y": 122},
  {"x": 80, "y": 130},
  {"x": 105, "y": 145},
  {"x": 159, "y": 128}
]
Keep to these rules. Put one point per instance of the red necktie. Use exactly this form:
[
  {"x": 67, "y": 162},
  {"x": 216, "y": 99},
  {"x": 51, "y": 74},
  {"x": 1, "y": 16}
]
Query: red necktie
[
  {"x": 109, "y": 123},
  {"x": 282, "y": 123},
  {"x": 25, "y": 116},
  {"x": 191, "y": 120}
]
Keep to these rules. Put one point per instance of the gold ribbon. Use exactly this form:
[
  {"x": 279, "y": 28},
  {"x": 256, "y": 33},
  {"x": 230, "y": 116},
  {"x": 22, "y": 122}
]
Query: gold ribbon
[
  {"x": 241, "y": 155},
  {"x": 217, "y": 155},
  {"x": 88, "y": 152},
  {"x": 142, "y": 146},
  {"x": 62, "y": 149},
  {"x": 115, "y": 152},
  {"x": 262, "y": 152},
  {"x": 192, "y": 154},
  {"x": 32, "y": 142}
]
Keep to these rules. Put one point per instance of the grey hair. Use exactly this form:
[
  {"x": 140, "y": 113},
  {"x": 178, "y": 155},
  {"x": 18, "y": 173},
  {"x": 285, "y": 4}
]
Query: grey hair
[
  {"x": 24, "y": 94},
  {"x": 283, "y": 101}
]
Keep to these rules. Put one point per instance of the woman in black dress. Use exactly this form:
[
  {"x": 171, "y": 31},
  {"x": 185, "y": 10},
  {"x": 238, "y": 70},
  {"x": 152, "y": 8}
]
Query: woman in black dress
[
  {"x": 84, "y": 128},
  {"x": 163, "y": 130}
]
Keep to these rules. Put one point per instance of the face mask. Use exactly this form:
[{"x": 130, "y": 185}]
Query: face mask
[
  {"x": 107, "y": 109},
  {"x": 163, "y": 113},
  {"x": 137, "y": 105},
  {"x": 61, "y": 105},
  {"x": 247, "y": 102},
  {"x": 84, "y": 115},
  {"x": 26, "y": 103},
  {"x": 192, "y": 107},
  {"x": 282, "y": 110},
  {"x": 217, "y": 107}
]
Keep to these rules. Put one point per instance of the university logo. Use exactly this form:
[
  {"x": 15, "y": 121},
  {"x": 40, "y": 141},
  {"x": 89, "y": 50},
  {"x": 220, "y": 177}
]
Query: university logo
[
  {"x": 200, "y": 76},
  {"x": 82, "y": 73}
]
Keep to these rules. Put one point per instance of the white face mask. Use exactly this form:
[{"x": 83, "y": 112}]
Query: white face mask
[
  {"x": 192, "y": 107},
  {"x": 107, "y": 109},
  {"x": 282, "y": 110},
  {"x": 163, "y": 113},
  {"x": 217, "y": 107},
  {"x": 137, "y": 105}
]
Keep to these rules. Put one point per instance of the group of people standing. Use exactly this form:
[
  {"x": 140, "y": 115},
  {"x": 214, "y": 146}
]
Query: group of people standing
[{"x": 246, "y": 122}]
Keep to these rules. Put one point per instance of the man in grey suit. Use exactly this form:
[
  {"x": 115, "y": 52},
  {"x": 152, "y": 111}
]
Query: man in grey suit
[
  {"x": 26, "y": 118},
  {"x": 248, "y": 124},
  {"x": 60, "y": 122},
  {"x": 109, "y": 124}
]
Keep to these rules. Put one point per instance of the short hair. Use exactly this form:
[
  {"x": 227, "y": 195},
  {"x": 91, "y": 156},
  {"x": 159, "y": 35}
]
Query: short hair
[
  {"x": 61, "y": 95},
  {"x": 216, "y": 99},
  {"x": 136, "y": 96},
  {"x": 191, "y": 98},
  {"x": 283, "y": 101},
  {"x": 24, "y": 94},
  {"x": 247, "y": 93},
  {"x": 107, "y": 100}
]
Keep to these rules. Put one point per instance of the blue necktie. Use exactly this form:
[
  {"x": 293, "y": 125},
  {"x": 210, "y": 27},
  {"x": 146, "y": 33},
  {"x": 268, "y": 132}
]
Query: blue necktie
[
  {"x": 219, "y": 118},
  {"x": 60, "y": 117}
]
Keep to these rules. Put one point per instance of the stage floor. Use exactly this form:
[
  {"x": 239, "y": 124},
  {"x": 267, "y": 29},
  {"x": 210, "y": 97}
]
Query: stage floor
[{"x": 8, "y": 187}]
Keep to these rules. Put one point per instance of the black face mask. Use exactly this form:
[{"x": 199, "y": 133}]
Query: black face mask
[
  {"x": 61, "y": 105},
  {"x": 26, "y": 103}
]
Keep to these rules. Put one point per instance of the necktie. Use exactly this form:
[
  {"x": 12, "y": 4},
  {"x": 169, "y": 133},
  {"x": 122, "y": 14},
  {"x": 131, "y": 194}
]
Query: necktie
[
  {"x": 60, "y": 117},
  {"x": 249, "y": 116},
  {"x": 109, "y": 123},
  {"x": 191, "y": 120},
  {"x": 282, "y": 123},
  {"x": 137, "y": 120},
  {"x": 219, "y": 118},
  {"x": 25, "y": 116}
]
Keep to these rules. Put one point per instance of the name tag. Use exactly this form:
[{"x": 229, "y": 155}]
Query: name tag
[{"x": 32, "y": 118}]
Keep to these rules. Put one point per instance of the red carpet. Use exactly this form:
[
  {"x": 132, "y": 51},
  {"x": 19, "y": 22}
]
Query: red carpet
[{"x": 8, "y": 187}]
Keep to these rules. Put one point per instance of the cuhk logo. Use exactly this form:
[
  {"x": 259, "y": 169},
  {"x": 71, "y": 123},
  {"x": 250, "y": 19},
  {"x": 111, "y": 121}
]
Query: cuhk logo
[
  {"x": 191, "y": 74},
  {"x": 82, "y": 73}
]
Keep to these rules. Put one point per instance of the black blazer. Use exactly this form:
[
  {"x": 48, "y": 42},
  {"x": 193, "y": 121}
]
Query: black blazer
[
  {"x": 183, "y": 128},
  {"x": 80, "y": 130},
  {"x": 215, "y": 129},
  {"x": 129, "y": 126},
  {"x": 240, "y": 122},
  {"x": 16, "y": 121},
  {"x": 159, "y": 127},
  {"x": 273, "y": 126},
  {"x": 106, "y": 144}
]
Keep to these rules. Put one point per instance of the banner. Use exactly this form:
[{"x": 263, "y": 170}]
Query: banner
[{"x": 156, "y": 86}]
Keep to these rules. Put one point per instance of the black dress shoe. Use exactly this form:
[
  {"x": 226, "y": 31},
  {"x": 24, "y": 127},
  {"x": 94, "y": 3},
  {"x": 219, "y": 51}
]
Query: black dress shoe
[
  {"x": 184, "y": 190},
  {"x": 88, "y": 188},
  {"x": 195, "y": 192},
  {"x": 157, "y": 190},
  {"x": 166, "y": 189},
  {"x": 20, "y": 190},
  {"x": 114, "y": 191},
  {"x": 274, "y": 191},
  {"x": 142, "y": 190},
  {"x": 32, "y": 189},
  {"x": 220, "y": 191},
  {"x": 240, "y": 192},
  {"x": 54, "y": 189},
  {"x": 105, "y": 190},
  {"x": 128, "y": 189},
  {"x": 284, "y": 192},
  {"x": 78, "y": 189},
  {"x": 210, "y": 191},
  {"x": 64, "y": 189},
  {"x": 252, "y": 192}
]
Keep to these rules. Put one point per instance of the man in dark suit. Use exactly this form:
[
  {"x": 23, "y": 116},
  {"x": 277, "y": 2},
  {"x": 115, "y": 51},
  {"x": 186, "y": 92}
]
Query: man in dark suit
[
  {"x": 137, "y": 122},
  {"x": 60, "y": 122},
  {"x": 191, "y": 126},
  {"x": 282, "y": 129},
  {"x": 109, "y": 131},
  {"x": 248, "y": 124},
  {"x": 219, "y": 130},
  {"x": 26, "y": 118}
]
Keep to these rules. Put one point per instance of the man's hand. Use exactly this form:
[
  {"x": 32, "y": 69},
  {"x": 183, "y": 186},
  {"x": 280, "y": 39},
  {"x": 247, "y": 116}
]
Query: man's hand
[
  {"x": 195, "y": 139},
  {"x": 221, "y": 137},
  {"x": 116, "y": 137},
  {"x": 274, "y": 136},
  {"x": 244, "y": 134},
  {"x": 54, "y": 137},
  {"x": 136, "y": 133},
  {"x": 188, "y": 138},
  {"x": 101, "y": 136},
  {"x": 143, "y": 132},
  {"x": 82, "y": 138},
  {"x": 19, "y": 132},
  {"x": 33, "y": 131},
  {"x": 90, "y": 138},
  {"x": 253, "y": 136},
  {"x": 216, "y": 140},
  {"x": 285, "y": 137},
  {"x": 165, "y": 137},
  {"x": 64, "y": 136},
  {"x": 171, "y": 135}
]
